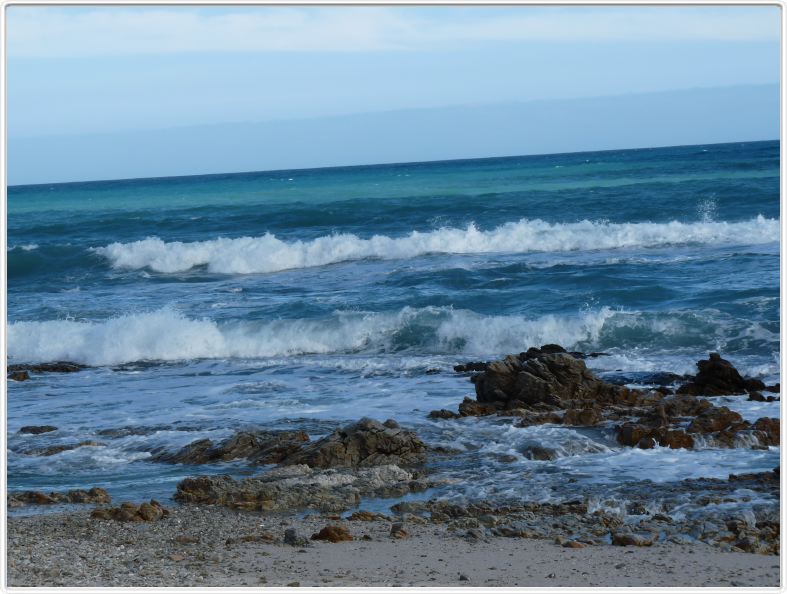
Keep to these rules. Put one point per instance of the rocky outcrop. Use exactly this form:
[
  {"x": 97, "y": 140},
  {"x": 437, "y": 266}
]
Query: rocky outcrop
[
  {"x": 131, "y": 512},
  {"x": 718, "y": 377},
  {"x": 54, "y": 367},
  {"x": 300, "y": 487},
  {"x": 715, "y": 419},
  {"x": 333, "y": 534},
  {"x": 258, "y": 447},
  {"x": 363, "y": 444},
  {"x": 544, "y": 380},
  {"x": 37, "y": 429},
  {"x": 56, "y": 449},
  {"x": 95, "y": 495}
]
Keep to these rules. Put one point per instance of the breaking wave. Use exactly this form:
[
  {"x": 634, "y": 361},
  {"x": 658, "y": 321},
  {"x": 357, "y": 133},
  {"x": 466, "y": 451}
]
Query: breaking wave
[
  {"x": 168, "y": 335},
  {"x": 246, "y": 255}
]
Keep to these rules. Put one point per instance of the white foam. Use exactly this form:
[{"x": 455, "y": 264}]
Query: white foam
[
  {"x": 267, "y": 253},
  {"x": 169, "y": 335}
]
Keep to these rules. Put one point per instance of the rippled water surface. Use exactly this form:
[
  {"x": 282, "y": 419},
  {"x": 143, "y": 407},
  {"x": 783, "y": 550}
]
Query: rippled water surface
[{"x": 311, "y": 298}]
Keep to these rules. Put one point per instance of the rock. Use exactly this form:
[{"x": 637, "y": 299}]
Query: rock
[
  {"x": 37, "y": 429},
  {"x": 626, "y": 539},
  {"x": 361, "y": 445},
  {"x": 333, "y": 534},
  {"x": 530, "y": 418},
  {"x": 291, "y": 538},
  {"x": 54, "y": 367},
  {"x": 585, "y": 417},
  {"x": 756, "y": 397},
  {"x": 95, "y": 495},
  {"x": 366, "y": 516},
  {"x": 56, "y": 449},
  {"x": 473, "y": 408},
  {"x": 632, "y": 434},
  {"x": 773, "y": 388},
  {"x": 259, "y": 447},
  {"x": 716, "y": 377},
  {"x": 770, "y": 430},
  {"x": 398, "y": 530},
  {"x": 463, "y": 578},
  {"x": 646, "y": 443},
  {"x": 677, "y": 439},
  {"x": 130, "y": 512},
  {"x": 19, "y": 376},
  {"x": 544, "y": 376},
  {"x": 299, "y": 487},
  {"x": 442, "y": 414},
  {"x": 540, "y": 453},
  {"x": 471, "y": 366},
  {"x": 573, "y": 544},
  {"x": 713, "y": 420}
]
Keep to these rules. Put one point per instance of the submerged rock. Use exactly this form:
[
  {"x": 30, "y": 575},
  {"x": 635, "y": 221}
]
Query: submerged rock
[
  {"x": 19, "y": 376},
  {"x": 37, "y": 429},
  {"x": 299, "y": 487},
  {"x": 56, "y": 449},
  {"x": 53, "y": 367},
  {"x": 363, "y": 444}
]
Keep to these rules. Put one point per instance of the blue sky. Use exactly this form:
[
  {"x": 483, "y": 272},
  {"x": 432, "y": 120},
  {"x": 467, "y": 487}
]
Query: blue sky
[{"x": 74, "y": 72}]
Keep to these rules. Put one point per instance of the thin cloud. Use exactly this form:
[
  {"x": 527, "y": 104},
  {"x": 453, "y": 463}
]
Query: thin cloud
[{"x": 46, "y": 32}]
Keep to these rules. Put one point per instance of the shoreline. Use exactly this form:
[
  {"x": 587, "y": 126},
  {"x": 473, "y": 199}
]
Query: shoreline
[{"x": 215, "y": 546}]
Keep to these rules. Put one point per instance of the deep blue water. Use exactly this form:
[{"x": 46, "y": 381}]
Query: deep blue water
[{"x": 313, "y": 297}]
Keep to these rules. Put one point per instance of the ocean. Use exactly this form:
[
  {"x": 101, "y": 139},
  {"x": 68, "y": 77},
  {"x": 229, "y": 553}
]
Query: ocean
[{"x": 311, "y": 298}]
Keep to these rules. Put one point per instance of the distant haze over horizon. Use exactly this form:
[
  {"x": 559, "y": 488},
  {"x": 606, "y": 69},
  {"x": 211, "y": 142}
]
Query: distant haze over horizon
[{"x": 645, "y": 120}]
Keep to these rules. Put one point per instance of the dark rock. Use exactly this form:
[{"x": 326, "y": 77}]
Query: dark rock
[
  {"x": 259, "y": 447},
  {"x": 19, "y": 376},
  {"x": 473, "y": 408},
  {"x": 716, "y": 377},
  {"x": 550, "y": 379},
  {"x": 398, "y": 530},
  {"x": 37, "y": 429},
  {"x": 54, "y": 367},
  {"x": 539, "y": 453},
  {"x": 130, "y": 512},
  {"x": 773, "y": 388},
  {"x": 96, "y": 495},
  {"x": 677, "y": 439},
  {"x": 472, "y": 366},
  {"x": 363, "y": 444},
  {"x": 442, "y": 414},
  {"x": 756, "y": 397},
  {"x": 770, "y": 430},
  {"x": 581, "y": 417},
  {"x": 713, "y": 420},
  {"x": 753, "y": 385},
  {"x": 333, "y": 534}
]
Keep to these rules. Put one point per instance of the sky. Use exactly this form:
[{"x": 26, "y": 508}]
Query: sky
[{"x": 80, "y": 79}]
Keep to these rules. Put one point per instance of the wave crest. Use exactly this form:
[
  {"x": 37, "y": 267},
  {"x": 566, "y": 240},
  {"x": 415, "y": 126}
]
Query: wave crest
[
  {"x": 167, "y": 335},
  {"x": 246, "y": 255}
]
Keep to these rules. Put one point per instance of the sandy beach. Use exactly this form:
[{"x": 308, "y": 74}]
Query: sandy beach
[{"x": 212, "y": 546}]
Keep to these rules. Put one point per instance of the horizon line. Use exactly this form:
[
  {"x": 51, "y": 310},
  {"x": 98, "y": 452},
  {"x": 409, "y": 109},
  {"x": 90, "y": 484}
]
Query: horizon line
[{"x": 369, "y": 165}]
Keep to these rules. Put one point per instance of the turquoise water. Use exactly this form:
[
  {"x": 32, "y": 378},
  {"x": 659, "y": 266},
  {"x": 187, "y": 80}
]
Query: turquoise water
[{"x": 310, "y": 298}]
